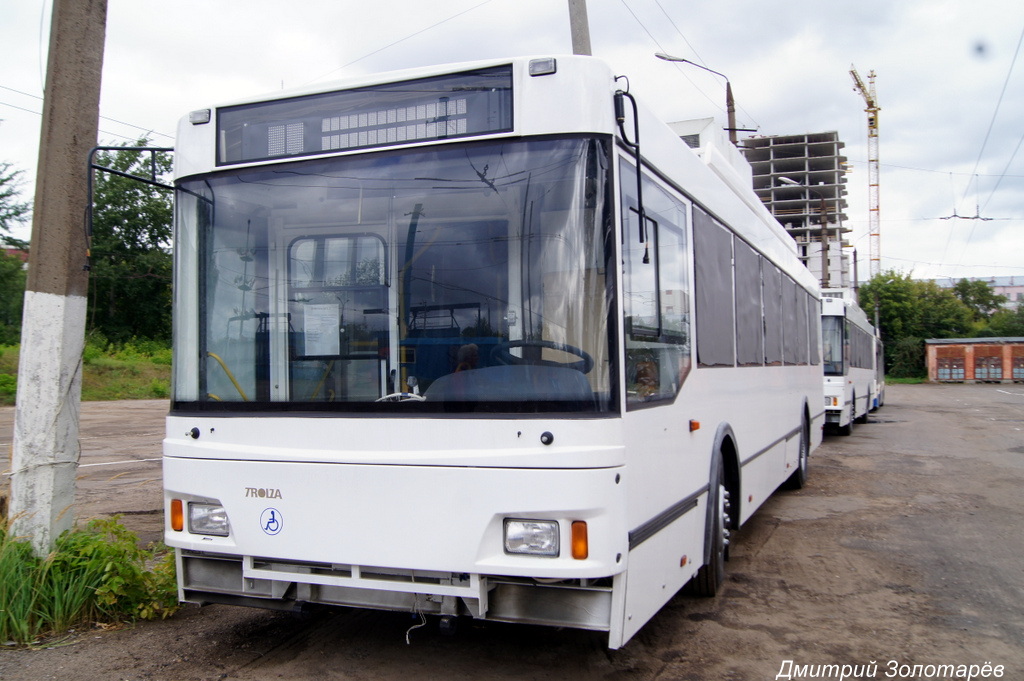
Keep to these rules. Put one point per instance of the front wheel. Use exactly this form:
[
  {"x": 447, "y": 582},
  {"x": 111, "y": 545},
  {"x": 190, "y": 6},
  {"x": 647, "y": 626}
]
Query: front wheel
[
  {"x": 848, "y": 428},
  {"x": 709, "y": 577}
]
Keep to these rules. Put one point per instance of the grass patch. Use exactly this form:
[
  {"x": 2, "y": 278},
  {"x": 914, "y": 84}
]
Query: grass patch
[
  {"x": 139, "y": 371},
  {"x": 906, "y": 381},
  {"x": 109, "y": 378},
  {"x": 95, "y": 574}
]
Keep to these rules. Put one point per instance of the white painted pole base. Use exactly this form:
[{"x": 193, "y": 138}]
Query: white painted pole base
[{"x": 44, "y": 458}]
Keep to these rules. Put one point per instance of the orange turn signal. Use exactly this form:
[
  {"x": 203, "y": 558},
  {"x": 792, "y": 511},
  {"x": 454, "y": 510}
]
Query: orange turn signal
[
  {"x": 177, "y": 515},
  {"x": 580, "y": 546}
]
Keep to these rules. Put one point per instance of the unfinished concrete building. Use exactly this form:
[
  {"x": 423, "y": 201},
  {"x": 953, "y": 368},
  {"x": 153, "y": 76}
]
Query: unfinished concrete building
[{"x": 794, "y": 175}]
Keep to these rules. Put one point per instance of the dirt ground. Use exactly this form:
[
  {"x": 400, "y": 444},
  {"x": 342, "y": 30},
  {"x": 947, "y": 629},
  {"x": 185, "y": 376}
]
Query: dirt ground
[{"x": 904, "y": 548}]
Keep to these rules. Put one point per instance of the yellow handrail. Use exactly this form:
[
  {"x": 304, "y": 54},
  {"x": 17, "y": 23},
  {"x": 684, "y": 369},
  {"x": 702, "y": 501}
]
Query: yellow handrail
[
  {"x": 319, "y": 385},
  {"x": 230, "y": 375}
]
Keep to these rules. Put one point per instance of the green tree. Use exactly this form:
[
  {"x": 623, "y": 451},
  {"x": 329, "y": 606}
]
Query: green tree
[
  {"x": 979, "y": 297},
  {"x": 12, "y": 294},
  {"x": 12, "y": 210},
  {"x": 1007, "y": 323},
  {"x": 910, "y": 311},
  {"x": 130, "y": 277}
]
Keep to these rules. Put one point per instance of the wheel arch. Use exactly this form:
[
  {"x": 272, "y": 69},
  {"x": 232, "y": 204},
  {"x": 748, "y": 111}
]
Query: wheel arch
[{"x": 724, "y": 454}]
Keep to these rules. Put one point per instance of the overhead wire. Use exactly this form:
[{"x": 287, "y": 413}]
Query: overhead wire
[
  {"x": 106, "y": 118},
  {"x": 1004, "y": 174},
  {"x": 662, "y": 49},
  {"x": 981, "y": 154},
  {"x": 995, "y": 113},
  {"x": 946, "y": 264},
  {"x": 984, "y": 143},
  {"x": 697, "y": 55},
  {"x": 400, "y": 40},
  {"x": 105, "y": 132}
]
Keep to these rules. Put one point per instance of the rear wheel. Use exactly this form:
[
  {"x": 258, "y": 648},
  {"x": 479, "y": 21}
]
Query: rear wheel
[{"x": 798, "y": 478}]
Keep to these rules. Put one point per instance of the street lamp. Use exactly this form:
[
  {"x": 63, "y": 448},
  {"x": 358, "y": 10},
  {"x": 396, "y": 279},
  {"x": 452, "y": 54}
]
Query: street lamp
[
  {"x": 823, "y": 212},
  {"x": 730, "y": 105}
]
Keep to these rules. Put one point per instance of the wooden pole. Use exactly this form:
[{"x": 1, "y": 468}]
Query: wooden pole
[
  {"x": 580, "y": 27},
  {"x": 44, "y": 458}
]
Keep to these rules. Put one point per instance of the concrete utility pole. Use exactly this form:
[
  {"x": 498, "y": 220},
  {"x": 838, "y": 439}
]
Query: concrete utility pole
[
  {"x": 580, "y": 27},
  {"x": 44, "y": 459}
]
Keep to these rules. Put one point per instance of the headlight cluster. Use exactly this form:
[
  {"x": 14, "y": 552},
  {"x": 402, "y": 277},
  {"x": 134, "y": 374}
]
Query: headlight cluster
[
  {"x": 531, "y": 537},
  {"x": 210, "y": 519}
]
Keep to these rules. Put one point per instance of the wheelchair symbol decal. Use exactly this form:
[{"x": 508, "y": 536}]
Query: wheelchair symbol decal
[{"x": 271, "y": 521}]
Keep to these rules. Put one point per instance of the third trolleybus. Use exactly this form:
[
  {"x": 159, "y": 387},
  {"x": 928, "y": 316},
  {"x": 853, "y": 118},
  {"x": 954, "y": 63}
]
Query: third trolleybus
[{"x": 484, "y": 340}]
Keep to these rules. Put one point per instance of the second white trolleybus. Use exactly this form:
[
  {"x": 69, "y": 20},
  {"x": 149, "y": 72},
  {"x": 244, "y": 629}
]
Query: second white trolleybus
[
  {"x": 440, "y": 346},
  {"x": 853, "y": 363}
]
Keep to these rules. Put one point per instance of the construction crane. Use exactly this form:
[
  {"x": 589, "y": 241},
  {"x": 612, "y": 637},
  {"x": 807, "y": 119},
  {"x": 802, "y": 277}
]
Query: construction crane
[{"x": 872, "y": 109}]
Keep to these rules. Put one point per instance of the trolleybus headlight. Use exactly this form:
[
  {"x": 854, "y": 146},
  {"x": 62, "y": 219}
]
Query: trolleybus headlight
[
  {"x": 531, "y": 537},
  {"x": 208, "y": 519}
]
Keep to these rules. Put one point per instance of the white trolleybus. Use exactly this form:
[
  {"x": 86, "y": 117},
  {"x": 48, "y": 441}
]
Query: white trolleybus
[
  {"x": 441, "y": 347},
  {"x": 853, "y": 363}
]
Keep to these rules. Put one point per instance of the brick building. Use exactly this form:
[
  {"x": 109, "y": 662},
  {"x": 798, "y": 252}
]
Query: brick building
[{"x": 975, "y": 360}]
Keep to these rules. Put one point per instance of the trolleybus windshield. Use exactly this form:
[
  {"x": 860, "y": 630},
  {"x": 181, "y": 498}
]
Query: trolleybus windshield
[
  {"x": 833, "y": 345},
  {"x": 463, "y": 277}
]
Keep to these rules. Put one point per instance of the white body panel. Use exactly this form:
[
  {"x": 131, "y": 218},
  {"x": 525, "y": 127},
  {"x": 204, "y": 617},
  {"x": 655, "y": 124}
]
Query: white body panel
[{"x": 428, "y": 517}]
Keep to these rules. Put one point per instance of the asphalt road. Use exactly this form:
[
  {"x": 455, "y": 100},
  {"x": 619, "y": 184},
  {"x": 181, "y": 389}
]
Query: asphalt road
[{"x": 904, "y": 549}]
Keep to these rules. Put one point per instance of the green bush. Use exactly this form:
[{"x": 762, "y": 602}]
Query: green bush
[
  {"x": 160, "y": 388},
  {"x": 906, "y": 358},
  {"x": 144, "y": 348},
  {"x": 162, "y": 357},
  {"x": 94, "y": 574},
  {"x": 8, "y": 385},
  {"x": 95, "y": 347}
]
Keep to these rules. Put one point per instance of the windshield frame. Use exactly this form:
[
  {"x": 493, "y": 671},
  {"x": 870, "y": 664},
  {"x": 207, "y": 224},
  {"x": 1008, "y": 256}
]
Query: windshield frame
[{"x": 197, "y": 217}]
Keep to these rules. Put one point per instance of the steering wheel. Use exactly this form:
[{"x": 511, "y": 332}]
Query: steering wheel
[
  {"x": 401, "y": 397},
  {"x": 501, "y": 354}
]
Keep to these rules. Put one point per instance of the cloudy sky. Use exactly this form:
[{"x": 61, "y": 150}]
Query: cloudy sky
[{"x": 950, "y": 80}]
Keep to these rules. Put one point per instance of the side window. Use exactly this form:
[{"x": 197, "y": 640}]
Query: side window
[
  {"x": 800, "y": 328},
  {"x": 814, "y": 328},
  {"x": 656, "y": 292},
  {"x": 791, "y": 339},
  {"x": 771, "y": 287},
  {"x": 640, "y": 276},
  {"x": 712, "y": 250},
  {"x": 749, "y": 321}
]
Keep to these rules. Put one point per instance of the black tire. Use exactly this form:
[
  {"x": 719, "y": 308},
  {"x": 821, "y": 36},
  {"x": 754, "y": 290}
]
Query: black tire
[
  {"x": 798, "y": 479},
  {"x": 863, "y": 418},
  {"x": 709, "y": 578},
  {"x": 848, "y": 428}
]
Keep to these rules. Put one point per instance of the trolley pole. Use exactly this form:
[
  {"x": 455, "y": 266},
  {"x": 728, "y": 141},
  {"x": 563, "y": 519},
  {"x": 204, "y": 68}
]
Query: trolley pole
[
  {"x": 580, "y": 27},
  {"x": 44, "y": 457}
]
